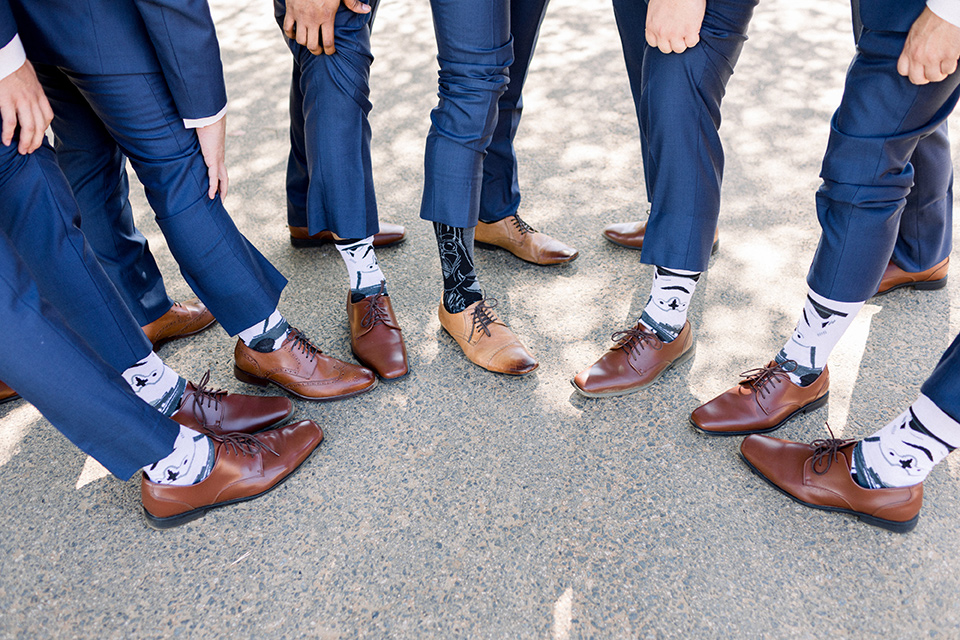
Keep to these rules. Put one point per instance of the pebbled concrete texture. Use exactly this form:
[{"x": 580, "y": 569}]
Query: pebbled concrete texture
[{"x": 455, "y": 503}]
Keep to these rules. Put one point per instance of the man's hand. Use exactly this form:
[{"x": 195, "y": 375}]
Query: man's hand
[
  {"x": 931, "y": 51},
  {"x": 213, "y": 142},
  {"x": 673, "y": 26},
  {"x": 310, "y": 22},
  {"x": 23, "y": 102}
]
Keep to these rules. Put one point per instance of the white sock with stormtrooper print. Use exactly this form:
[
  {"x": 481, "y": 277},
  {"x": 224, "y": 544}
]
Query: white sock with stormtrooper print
[
  {"x": 190, "y": 462},
  {"x": 822, "y": 324},
  {"x": 156, "y": 384},
  {"x": 905, "y": 451},
  {"x": 366, "y": 277},
  {"x": 666, "y": 310}
]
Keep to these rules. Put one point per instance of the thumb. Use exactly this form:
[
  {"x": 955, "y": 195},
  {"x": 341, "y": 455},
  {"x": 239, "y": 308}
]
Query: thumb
[{"x": 356, "y": 6}]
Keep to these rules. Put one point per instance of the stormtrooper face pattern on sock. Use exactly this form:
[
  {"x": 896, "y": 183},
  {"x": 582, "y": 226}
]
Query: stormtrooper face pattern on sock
[
  {"x": 817, "y": 332},
  {"x": 460, "y": 285},
  {"x": 362, "y": 265},
  {"x": 666, "y": 309}
]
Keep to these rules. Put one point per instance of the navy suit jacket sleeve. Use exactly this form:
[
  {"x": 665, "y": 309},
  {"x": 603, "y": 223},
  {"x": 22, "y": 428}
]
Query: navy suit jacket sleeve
[
  {"x": 185, "y": 40},
  {"x": 8, "y": 27}
]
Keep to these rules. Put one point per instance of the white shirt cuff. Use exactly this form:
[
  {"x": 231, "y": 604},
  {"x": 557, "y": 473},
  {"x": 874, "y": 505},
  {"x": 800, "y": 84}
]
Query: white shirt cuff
[
  {"x": 12, "y": 57},
  {"x": 196, "y": 123},
  {"x": 949, "y": 10}
]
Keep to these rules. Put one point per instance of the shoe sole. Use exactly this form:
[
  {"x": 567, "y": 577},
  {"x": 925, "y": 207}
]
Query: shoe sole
[
  {"x": 929, "y": 285},
  {"x": 163, "y": 341},
  {"x": 243, "y": 376},
  {"x": 713, "y": 249},
  {"x": 170, "y": 522},
  {"x": 807, "y": 408},
  {"x": 889, "y": 525},
  {"x": 15, "y": 396},
  {"x": 487, "y": 245},
  {"x": 686, "y": 355}
]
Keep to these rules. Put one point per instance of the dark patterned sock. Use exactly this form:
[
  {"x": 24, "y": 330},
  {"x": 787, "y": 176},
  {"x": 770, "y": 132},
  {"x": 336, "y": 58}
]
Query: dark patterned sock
[{"x": 460, "y": 285}]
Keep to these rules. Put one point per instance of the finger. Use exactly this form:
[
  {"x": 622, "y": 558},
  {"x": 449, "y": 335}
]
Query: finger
[
  {"x": 326, "y": 31},
  {"x": 917, "y": 75},
  {"x": 947, "y": 67},
  {"x": 678, "y": 45},
  {"x": 224, "y": 181},
  {"x": 664, "y": 45},
  {"x": 47, "y": 112},
  {"x": 932, "y": 73},
  {"x": 692, "y": 40},
  {"x": 290, "y": 27},
  {"x": 27, "y": 130},
  {"x": 313, "y": 42},
  {"x": 356, "y": 6},
  {"x": 36, "y": 114},
  {"x": 903, "y": 65},
  {"x": 9, "y": 116},
  {"x": 651, "y": 38},
  {"x": 214, "y": 182}
]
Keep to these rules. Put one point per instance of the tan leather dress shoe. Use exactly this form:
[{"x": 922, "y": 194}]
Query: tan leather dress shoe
[
  {"x": 203, "y": 409},
  {"x": 300, "y": 368},
  {"x": 818, "y": 475},
  {"x": 182, "y": 320},
  {"x": 246, "y": 467},
  {"x": 389, "y": 234},
  {"x": 630, "y": 235},
  {"x": 764, "y": 400},
  {"x": 634, "y": 363},
  {"x": 375, "y": 336},
  {"x": 486, "y": 340},
  {"x": 523, "y": 241},
  {"x": 896, "y": 278},
  {"x": 7, "y": 394}
]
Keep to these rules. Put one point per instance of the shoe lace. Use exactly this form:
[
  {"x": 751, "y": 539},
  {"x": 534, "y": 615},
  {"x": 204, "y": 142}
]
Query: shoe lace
[
  {"x": 761, "y": 377},
  {"x": 242, "y": 443},
  {"x": 522, "y": 226},
  {"x": 482, "y": 317},
  {"x": 376, "y": 313},
  {"x": 205, "y": 397},
  {"x": 636, "y": 337},
  {"x": 827, "y": 449},
  {"x": 303, "y": 344}
]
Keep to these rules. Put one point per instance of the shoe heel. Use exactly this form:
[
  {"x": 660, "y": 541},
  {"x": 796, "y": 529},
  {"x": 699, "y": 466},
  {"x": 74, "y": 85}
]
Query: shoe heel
[
  {"x": 816, "y": 404},
  {"x": 173, "y": 521},
  {"x": 930, "y": 286},
  {"x": 891, "y": 525},
  {"x": 243, "y": 376}
]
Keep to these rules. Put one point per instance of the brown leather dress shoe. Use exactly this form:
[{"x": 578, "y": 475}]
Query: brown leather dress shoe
[
  {"x": 763, "y": 401},
  {"x": 375, "y": 336},
  {"x": 246, "y": 467},
  {"x": 205, "y": 410},
  {"x": 300, "y": 368},
  {"x": 182, "y": 320},
  {"x": 389, "y": 234},
  {"x": 523, "y": 241},
  {"x": 630, "y": 235},
  {"x": 634, "y": 363},
  {"x": 896, "y": 278},
  {"x": 7, "y": 394},
  {"x": 818, "y": 475},
  {"x": 486, "y": 340}
]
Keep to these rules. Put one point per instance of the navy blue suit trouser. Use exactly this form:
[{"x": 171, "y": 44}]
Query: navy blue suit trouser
[
  {"x": 329, "y": 171},
  {"x": 943, "y": 385},
  {"x": 475, "y": 51},
  {"x": 68, "y": 332},
  {"x": 232, "y": 278},
  {"x": 678, "y": 96},
  {"x": 887, "y": 174}
]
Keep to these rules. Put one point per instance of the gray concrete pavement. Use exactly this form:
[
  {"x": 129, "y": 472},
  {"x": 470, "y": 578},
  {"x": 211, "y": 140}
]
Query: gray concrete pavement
[{"x": 455, "y": 503}]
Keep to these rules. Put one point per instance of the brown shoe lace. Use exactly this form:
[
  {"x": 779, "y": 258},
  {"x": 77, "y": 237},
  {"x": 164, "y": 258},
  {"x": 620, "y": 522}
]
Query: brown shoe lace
[
  {"x": 303, "y": 344},
  {"x": 637, "y": 336},
  {"x": 376, "y": 313},
  {"x": 522, "y": 226},
  {"x": 761, "y": 377},
  {"x": 827, "y": 448},
  {"x": 482, "y": 317},
  {"x": 242, "y": 443},
  {"x": 203, "y": 396}
]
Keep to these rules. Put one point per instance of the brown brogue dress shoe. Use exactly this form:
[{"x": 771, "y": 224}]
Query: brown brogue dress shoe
[
  {"x": 631, "y": 234},
  {"x": 896, "y": 278},
  {"x": 764, "y": 400},
  {"x": 302, "y": 369},
  {"x": 203, "y": 409},
  {"x": 7, "y": 394},
  {"x": 375, "y": 335},
  {"x": 635, "y": 362},
  {"x": 388, "y": 235},
  {"x": 246, "y": 467},
  {"x": 523, "y": 241},
  {"x": 486, "y": 340},
  {"x": 817, "y": 475},
  {"x": 182, "y": 320}
]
